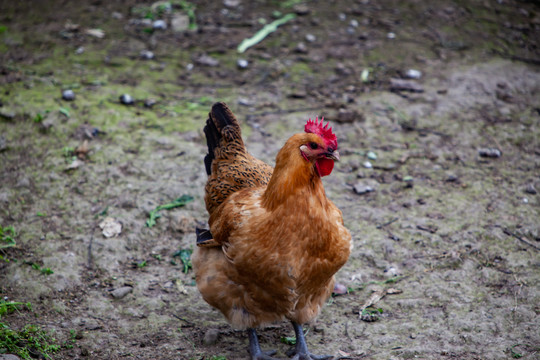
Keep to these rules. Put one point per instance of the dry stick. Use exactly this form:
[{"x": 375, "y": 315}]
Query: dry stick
[
  {"x": 508, "y": 232},
  {"x": 184, "y": 320},
  {"x": 90, "y": 257},
  {"x": 387, "y": 223}
]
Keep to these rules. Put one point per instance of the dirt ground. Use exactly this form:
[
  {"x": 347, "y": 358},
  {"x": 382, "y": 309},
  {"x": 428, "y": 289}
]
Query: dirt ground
[{"x": 438, "y": 180}]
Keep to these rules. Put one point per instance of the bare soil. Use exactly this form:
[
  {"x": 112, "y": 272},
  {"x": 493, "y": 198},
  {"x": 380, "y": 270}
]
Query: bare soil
[{"x": 453, "y": 232}]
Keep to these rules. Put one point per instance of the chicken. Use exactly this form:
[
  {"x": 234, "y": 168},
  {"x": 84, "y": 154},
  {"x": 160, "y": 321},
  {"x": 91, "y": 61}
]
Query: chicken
[{"x": 275, "y": 239}]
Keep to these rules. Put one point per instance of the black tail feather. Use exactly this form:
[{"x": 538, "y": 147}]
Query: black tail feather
[
  {"x": 212, "y": 140},
  {"x": 220, "y": 117}
]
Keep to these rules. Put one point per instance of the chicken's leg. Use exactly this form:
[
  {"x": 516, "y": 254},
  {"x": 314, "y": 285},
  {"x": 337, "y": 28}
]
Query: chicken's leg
[
  {"x": 301, "y": 351},
  {"x": 255, "y": 348}
]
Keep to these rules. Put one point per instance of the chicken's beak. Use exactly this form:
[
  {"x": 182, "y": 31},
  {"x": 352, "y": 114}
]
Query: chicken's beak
[{"x": 334, "y": 155}]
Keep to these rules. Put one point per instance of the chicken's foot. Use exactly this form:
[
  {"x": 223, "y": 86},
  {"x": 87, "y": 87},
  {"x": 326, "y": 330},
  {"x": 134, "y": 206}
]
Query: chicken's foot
[
  {"x": 301, "y": 351},
  {"x": 255, "y": 348}
]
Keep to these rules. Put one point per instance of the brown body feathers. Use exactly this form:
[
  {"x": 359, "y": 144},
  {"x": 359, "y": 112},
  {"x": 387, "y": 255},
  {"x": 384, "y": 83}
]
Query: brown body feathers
[{"x": 278, "y": 239}]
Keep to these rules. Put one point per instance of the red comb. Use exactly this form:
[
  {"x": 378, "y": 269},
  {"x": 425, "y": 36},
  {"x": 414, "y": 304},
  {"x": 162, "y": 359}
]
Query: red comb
[{"x": 325, "y": 132}]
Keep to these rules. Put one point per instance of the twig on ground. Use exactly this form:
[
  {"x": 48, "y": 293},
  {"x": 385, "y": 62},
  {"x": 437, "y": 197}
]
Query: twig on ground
[{"x": 510, "y": 233}]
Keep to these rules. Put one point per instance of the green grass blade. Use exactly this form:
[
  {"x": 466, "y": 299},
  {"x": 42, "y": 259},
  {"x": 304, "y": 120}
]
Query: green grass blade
[{"x": 264, "y": 32}]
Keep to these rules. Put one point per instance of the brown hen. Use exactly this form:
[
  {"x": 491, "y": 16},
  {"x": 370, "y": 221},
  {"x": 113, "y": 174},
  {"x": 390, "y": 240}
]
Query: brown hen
[{"x": 275, "y": 239}]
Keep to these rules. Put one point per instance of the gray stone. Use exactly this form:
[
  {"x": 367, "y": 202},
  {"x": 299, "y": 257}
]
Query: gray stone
[
  {"x": 9, "y": 357},
  {"x": 361, "y": 189},
  {"x": 159, "y": 25},
  {"x": 530, "y": 189},
  {"x": 121, "y": 292},
  {"x": 211, "y": 336},
  {"x": 23, "y": 182},
  {"x": 490, "y": 152},
  {"x": 126, "y": 99},
  {"x": 68, "y": 95},
  {"x": 3, "y": 143},
  {"x": 180, "y": 22},
  {"x": 242, "y": 63},
  {"x": 146, "y": 55}
]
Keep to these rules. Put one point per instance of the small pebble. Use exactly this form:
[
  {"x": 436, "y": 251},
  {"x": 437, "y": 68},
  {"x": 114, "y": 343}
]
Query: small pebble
[
  {"x": 145, "y": 22},
  {"x": 391, "y": 272},
  {"x": 242, "y": 63},
  {"x": 452, "y": 178},
  {"x": 9, "y": 357},
  {"x": 310, "y": 38},
  {"x": 361, "y": 189},
  {"x": 121, "y": 292},
  {"x": 189, "y": 67},
  {"x": 23, "y": 182},
  {"x": 231, "y": 3},
  {"x": 301, "y": 48},
  {"x": 340, "y": 289},
  {"x": 371, "y": 155},
  {"x": 367, "y": 165},
  {"x": 159, "y": 25},
  {"x": 342, "y": 17},
  {"x": 490, "y": 152},
  {"x": 180, "y": 22},
  {"x": 301, "y": 9},
  {"x": 148, "y": 103},
  {"x": 68, "y": 95},
  {"x": 391, "y": 35},
  {"x": 211, "y": 336},
  {"x": 206, "y": 60},
  {"x": 244, "y": 102},
  {"x": 354, "y": 23},
  {"x": 79, "y": 50},
  {"x": 530, "y": 189},
  {"x": 3, "y": 143},
  {"x": 405, "y": 85},
  {"x": 8, "y": 115},
  {"x": 126, "y": 99},
  {"x": 146, "y": 55},
  {"x": 413, "y": 74}
]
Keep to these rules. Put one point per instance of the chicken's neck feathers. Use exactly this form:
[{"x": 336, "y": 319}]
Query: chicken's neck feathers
[{"x": 292, "y": 176}]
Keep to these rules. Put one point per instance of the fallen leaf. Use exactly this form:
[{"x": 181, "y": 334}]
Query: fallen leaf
[
  {"x": 343, "y": 353},
  {"x": 180, "y": 286},
  {"x": 374, "y": 298},
  {"x": 95, "y": 33},
  {"x": 75, "y": 164},
  {"x": 111, "y": 227},
  {"x": 69, "y": 26},
  {"x": 82, "y": 150}
]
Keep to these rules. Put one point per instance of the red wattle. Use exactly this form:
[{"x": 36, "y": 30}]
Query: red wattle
[{"x": 325, "y": 166}]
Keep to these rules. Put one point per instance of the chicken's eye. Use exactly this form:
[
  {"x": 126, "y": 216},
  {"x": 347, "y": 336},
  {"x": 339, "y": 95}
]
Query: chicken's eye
[{"x": 313, "y": 145}]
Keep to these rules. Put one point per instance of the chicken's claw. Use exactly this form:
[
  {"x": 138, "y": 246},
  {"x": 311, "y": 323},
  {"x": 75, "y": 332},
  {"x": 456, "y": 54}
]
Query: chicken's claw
[
  {"x": 301, "y": 352},
  {"x": 255, "y": 348},
  {"x": 265, "y": 355}
]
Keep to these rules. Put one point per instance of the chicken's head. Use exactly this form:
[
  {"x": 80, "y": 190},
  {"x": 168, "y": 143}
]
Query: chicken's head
[{"x": 320, "y": 147}]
